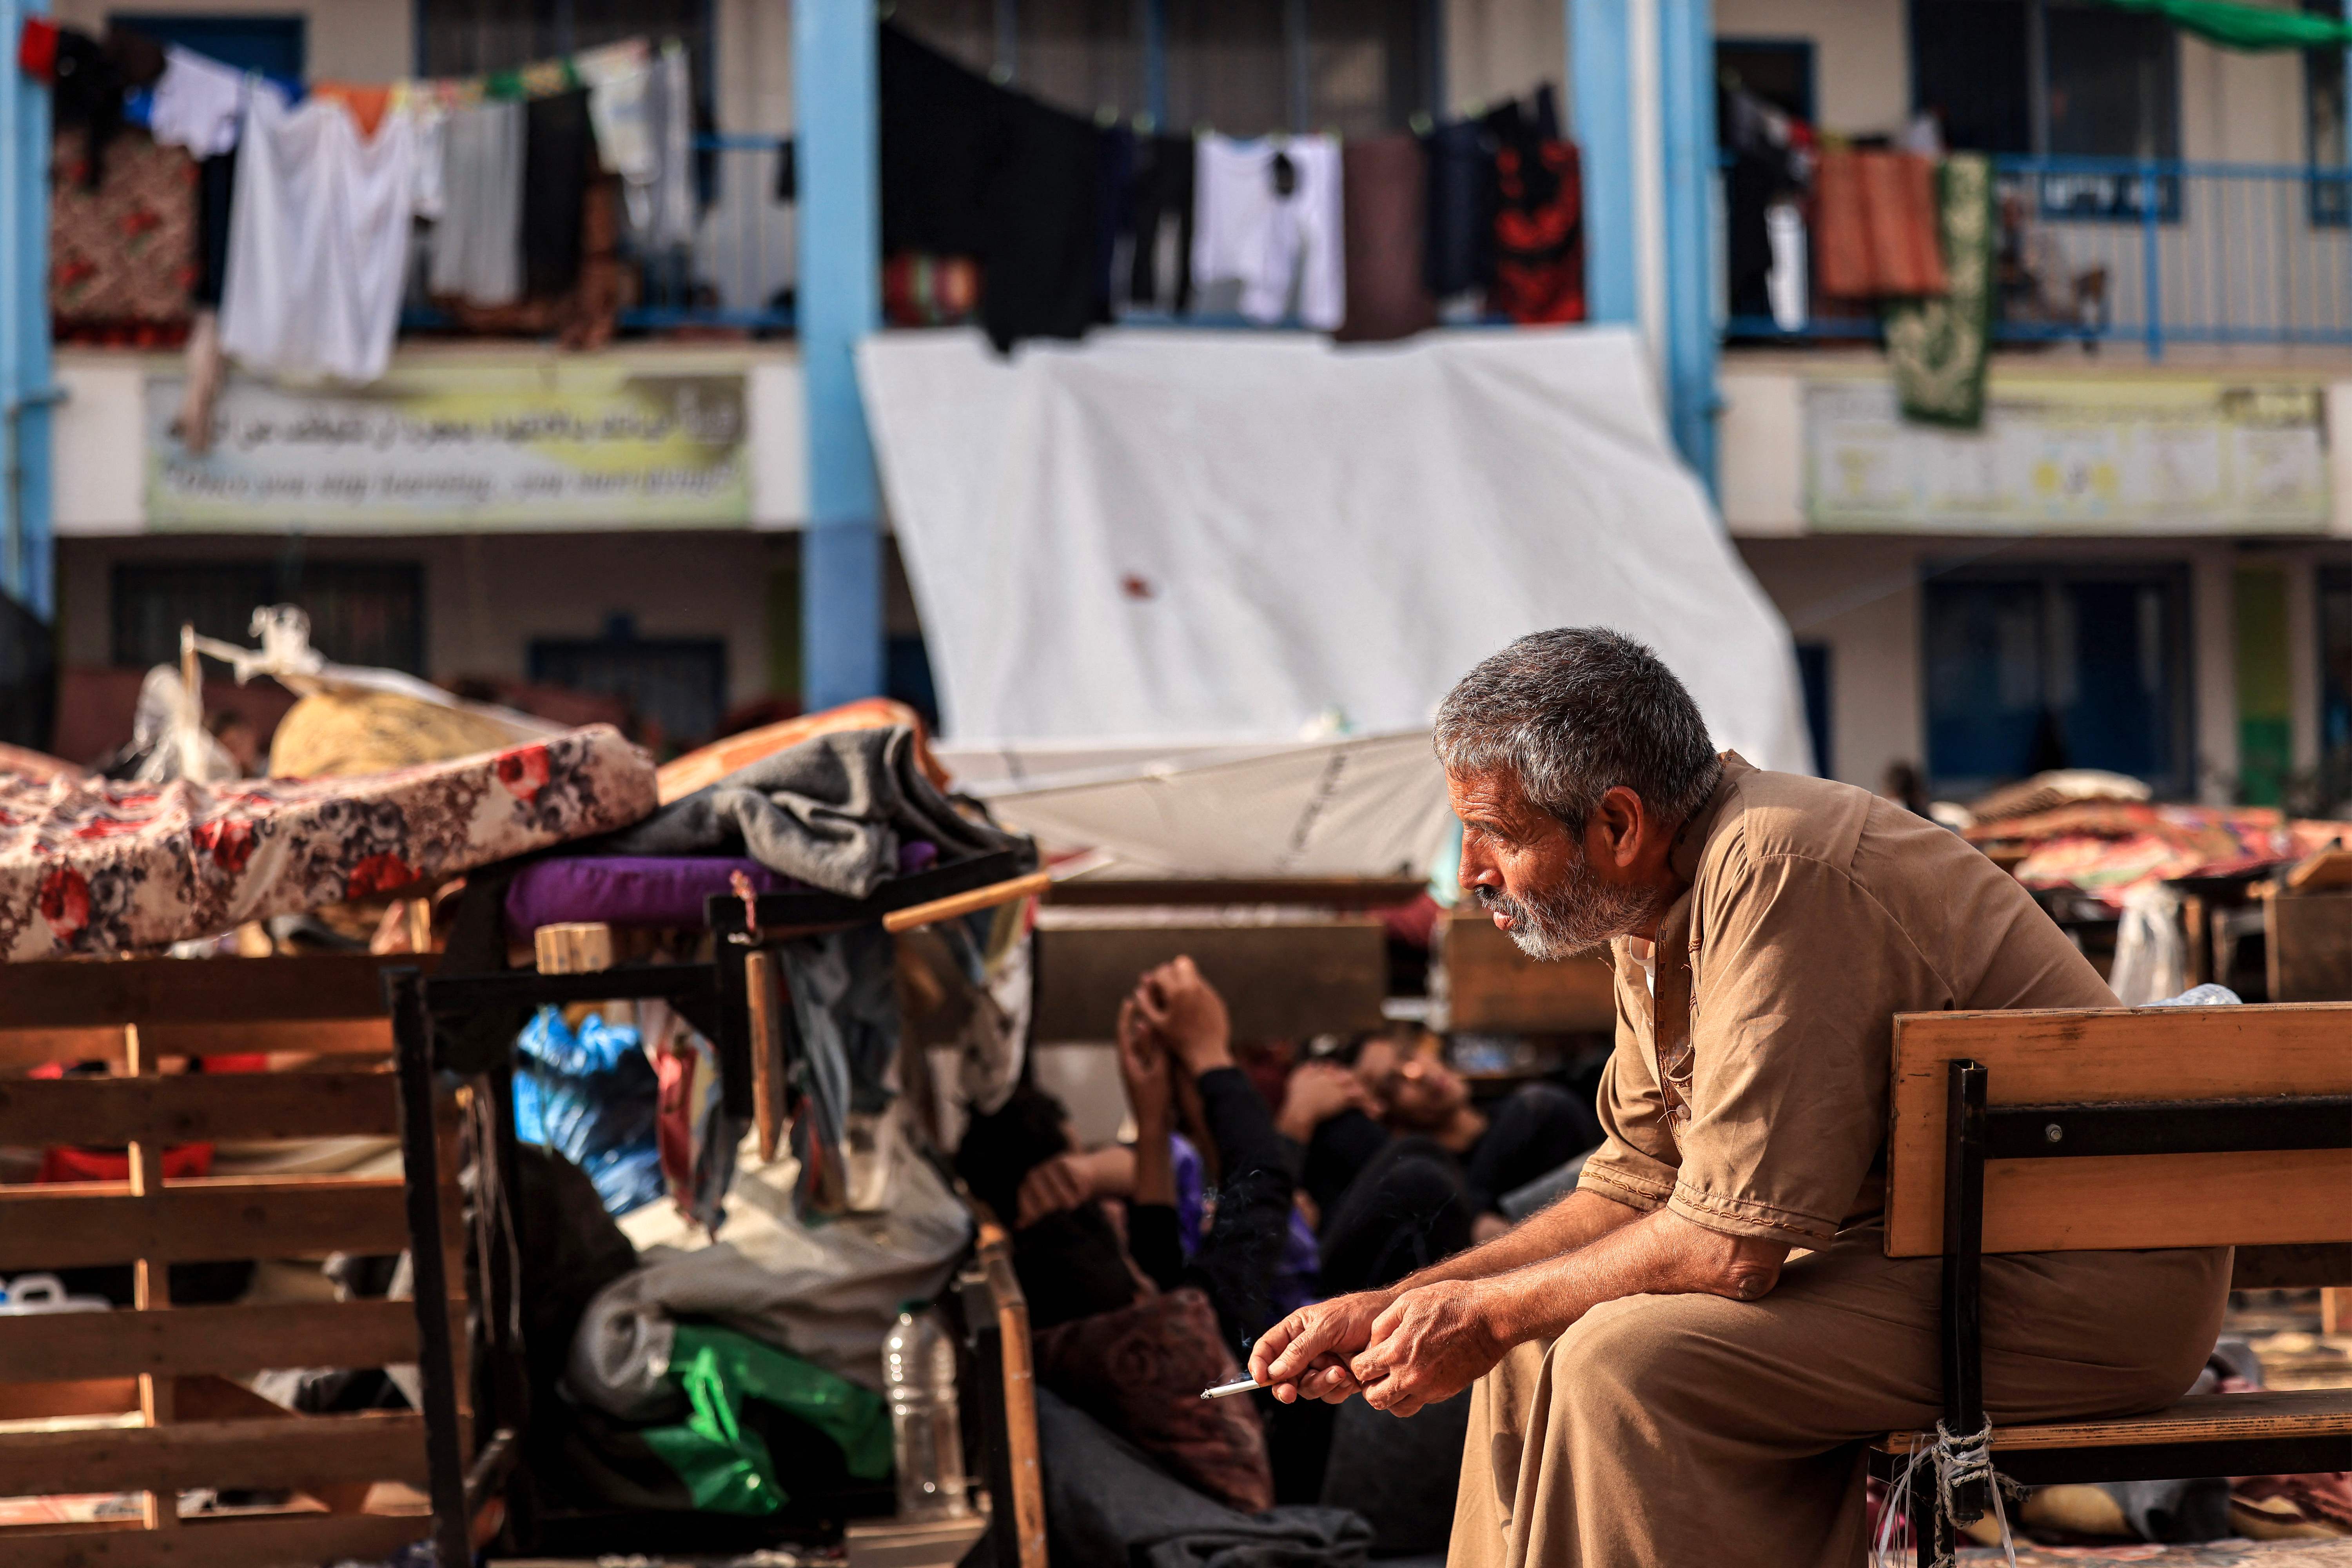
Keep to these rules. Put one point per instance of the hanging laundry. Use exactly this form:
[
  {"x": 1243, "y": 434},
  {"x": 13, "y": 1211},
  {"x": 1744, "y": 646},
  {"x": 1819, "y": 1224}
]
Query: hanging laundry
[
  {"x": 199, "y": 103},
  {"x": 122, "y": 256},
  {"x": 1385, "y": 182},
  {"x": 1459, "y": 253},
  {"x": 1539, "y": 219},
  {"x": 972, "y": 169},
  {"x": 367, "y": 102},
  {"x": 478, "y": 244},
  {"x": 1876, "y": 226},
  {"x": 1158, "y": 225},
  {"x": 85, "y": 89},
  {"x": 619, "y": 78},
  {"x": 1267, "y": 213},
  {"x": 1114, "y": 172},
  {"x": 317, "y": 242},
  {"x": 559, "y": 160},
  {"x": 672, "y": 202}
]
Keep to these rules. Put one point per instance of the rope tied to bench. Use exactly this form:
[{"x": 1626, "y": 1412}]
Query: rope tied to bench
[{"x": 1959, "y": 1462}]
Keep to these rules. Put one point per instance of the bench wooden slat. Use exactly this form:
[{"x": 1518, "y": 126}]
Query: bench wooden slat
[
  {"x": 73, "y": 1227},
  {"x": 2206, "y": 1418},
  {"x": 2118, "y": 1055},
  {"x": 299, "y": 1452},
  {"x": 235, "y": 1542},
  {"x": 104, "y": 1043},
  {"x": 66, "y": 1346},
  {"x": 199, "y": 1108},
  {"x": 144, "y": 991}
]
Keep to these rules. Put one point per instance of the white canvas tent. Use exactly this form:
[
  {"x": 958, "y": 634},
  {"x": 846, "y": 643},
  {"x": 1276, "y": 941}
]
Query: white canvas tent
[
  {"x": 1182, "y": 537},
  {"x": 1352, "y": 807}
]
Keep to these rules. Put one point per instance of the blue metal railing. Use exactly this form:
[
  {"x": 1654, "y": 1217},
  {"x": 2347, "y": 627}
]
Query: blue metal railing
[
  {"x": 735, "y": 275},
  {"x": 2149, "y": 252}
]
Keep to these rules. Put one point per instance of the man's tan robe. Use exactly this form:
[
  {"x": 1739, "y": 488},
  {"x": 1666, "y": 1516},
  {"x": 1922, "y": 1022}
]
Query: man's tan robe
[{"x": 1699, "y": 1432}]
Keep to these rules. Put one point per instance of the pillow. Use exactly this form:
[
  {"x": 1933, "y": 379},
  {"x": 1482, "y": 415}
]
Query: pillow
[{"x": 1140, "y": 1372}]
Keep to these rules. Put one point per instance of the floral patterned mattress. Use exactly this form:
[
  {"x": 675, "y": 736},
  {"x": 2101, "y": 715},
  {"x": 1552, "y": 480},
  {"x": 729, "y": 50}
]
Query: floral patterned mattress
[{"x": 100, "y": 868}]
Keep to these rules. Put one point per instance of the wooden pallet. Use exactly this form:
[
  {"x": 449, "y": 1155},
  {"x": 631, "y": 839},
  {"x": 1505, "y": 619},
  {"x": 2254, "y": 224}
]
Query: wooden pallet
[{"x": 144, "y": 1399}]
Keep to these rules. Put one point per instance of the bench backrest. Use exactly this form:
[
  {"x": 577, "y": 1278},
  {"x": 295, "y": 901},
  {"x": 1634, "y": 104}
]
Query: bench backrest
[
  {"x": 177, "y": 1367},
  {"x": 2199, "y": 1059}
]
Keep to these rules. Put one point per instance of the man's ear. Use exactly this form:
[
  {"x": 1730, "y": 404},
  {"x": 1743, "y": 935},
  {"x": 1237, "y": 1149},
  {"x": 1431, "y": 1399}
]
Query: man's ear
[{"x": 1614, "y": 830}]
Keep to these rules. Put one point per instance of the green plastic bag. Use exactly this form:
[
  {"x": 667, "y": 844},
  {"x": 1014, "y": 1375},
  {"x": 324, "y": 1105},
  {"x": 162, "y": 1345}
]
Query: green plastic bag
[{"x": 725, "y": 1466}]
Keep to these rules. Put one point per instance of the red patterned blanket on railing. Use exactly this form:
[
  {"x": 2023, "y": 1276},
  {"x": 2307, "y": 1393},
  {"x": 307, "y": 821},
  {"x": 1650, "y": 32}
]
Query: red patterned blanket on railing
[{"x": 100, "y": 867}]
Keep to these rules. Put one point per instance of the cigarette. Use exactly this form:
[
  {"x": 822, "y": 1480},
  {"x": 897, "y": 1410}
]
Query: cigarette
[{"x": 1223, "y": 1389}]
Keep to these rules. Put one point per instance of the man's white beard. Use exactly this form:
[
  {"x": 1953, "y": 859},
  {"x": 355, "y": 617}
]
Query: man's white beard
[{"x": 1583, "y": 913}]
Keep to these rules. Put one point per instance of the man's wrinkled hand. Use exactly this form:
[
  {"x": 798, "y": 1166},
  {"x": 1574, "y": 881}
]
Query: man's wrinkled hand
[
  {"x": 1305, "y": 1356},
  {"x": 1430, "y": 1344}
]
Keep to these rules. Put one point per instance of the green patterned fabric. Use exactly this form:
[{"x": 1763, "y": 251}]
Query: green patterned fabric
[
  {"x": 1938, "y": 346},
  {"x": 725, "y": 1466}
]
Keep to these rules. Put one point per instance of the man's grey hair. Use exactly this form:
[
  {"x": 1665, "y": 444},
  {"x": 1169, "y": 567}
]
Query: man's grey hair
[{"x": 1574, "y": 712}]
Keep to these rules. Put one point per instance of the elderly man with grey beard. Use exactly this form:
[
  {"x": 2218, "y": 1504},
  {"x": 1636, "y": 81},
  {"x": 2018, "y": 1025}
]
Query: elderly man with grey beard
[{"x": 1679, "y": 1362}]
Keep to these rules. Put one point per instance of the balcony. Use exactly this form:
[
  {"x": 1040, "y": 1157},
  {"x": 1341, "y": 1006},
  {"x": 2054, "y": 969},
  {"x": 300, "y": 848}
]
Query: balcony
[
  {"x": 2147, "y": 254},
  {"x": 734, "y": 280}
]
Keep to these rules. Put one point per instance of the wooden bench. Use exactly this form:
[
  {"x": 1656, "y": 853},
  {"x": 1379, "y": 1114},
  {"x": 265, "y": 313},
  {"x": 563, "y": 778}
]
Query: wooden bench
[
  {"x": 2060, "y": 1131},
  {"x": 144, "y": 1399}
]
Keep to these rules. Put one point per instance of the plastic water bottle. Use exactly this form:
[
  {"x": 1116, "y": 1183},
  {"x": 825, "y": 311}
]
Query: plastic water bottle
[{"x": 918, "y": 1368}]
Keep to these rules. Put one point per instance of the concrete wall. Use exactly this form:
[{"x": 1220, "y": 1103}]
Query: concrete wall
[
  {"x": 1497, "y": 49},
  {"x": 486, "y": 598},
  {"x": 1862, "y": 54},
  {"x": 350, "y": 40}
]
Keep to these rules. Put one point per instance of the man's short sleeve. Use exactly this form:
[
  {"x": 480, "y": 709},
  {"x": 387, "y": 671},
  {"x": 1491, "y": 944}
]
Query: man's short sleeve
[
  {"x": 1801, "y": 972},
  {"x": 1636, "y": 1162}
]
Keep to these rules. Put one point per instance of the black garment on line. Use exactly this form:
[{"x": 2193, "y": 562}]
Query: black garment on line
[
  {"x": 972, "y": 169},
  {"x": 1159, "y": 192},
  {"x": 215, "y": 189},
  {"x": 559, "y": 153}
]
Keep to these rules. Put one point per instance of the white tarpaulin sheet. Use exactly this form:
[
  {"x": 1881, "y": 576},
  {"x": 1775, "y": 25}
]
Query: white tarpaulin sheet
[
  {"x": 1204, "y": 534},
  {"x": 1370, "y": 806}
]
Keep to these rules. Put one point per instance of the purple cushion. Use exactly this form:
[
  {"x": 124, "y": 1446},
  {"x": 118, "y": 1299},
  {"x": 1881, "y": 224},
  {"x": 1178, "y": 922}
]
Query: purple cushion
[
  {"x": 627, "y": 889},
  {"x": 650, "y": 889}
]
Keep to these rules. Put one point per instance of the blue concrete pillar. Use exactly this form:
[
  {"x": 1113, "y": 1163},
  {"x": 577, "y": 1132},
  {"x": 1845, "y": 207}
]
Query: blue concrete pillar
[
  {"x": 1686, "y": 116},
  {"x": 835, "y": 100},
  {"x": 27, "y": 571},
  {"x": 1601, "y": 110}
]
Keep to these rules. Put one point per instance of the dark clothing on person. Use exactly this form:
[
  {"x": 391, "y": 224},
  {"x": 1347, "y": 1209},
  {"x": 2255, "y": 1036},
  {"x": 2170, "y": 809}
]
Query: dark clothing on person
[
  {"x": 1406, "y": 1210},
  {"x": 1394, "y": 1205},
  {"x": 1238, "y": 1260}
]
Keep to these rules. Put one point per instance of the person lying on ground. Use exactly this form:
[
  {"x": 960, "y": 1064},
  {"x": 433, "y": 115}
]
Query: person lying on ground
[
  {"x": 1023, "y": 1162},
  {"x": 1678, "y": 1361},
  {"x": 1404, "y": 1169}
]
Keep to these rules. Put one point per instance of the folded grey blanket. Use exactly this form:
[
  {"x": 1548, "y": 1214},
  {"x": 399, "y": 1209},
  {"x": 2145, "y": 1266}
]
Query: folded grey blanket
[
  {"x": 830, "y": 812},
  {"x": 1105, "y": 1502}
]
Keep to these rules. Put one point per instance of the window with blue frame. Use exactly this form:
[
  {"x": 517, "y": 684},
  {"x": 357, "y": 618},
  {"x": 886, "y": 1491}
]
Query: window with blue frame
[
  {"x": 1244, "y": 67},
  {"x": 2065, "y": 667},
  {"x": 2057, "y": 79},
  {"x": 274, "y": 46}
]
